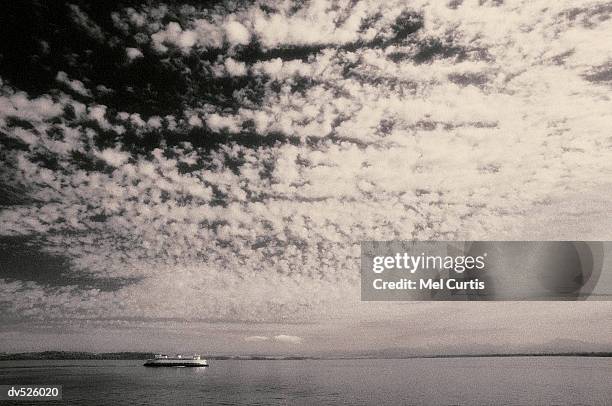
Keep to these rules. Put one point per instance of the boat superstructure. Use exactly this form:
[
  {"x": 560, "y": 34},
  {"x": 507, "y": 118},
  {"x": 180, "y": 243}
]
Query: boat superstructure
[{"x": 162, "y": 360}]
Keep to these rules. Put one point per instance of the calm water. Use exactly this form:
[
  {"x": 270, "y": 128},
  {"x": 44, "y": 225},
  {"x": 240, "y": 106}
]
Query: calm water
[{"x": 456, "y": 381}]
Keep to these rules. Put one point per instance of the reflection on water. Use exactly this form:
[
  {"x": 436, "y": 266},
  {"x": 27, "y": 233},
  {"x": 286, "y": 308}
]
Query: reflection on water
[{"x": 457, "y": 381}]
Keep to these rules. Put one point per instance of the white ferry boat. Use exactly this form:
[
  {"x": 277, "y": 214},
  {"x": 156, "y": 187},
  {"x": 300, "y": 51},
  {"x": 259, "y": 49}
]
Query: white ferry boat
[{"x": 162, "y": 360}]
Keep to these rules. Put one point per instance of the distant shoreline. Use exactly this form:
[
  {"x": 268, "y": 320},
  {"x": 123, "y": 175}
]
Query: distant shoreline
[{"x": 70, "y": 355}]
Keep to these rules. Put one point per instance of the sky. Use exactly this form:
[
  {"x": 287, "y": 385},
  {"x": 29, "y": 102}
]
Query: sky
[{"x": 188, "y": 177}]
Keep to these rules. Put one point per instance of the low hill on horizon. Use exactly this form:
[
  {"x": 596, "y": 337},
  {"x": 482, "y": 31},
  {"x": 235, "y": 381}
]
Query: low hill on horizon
[{"x": 382, "y": 354}]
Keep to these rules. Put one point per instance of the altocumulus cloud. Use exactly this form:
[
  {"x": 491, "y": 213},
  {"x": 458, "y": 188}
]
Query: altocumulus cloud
[{"x": 223, "y": 163}]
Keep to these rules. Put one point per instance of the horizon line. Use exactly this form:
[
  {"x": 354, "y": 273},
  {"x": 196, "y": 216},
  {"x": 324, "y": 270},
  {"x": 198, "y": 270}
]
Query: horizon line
[{"x": 125, "y": 355}]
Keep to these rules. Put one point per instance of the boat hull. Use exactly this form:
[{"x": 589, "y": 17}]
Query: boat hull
[{"x": 176, "y": 362}]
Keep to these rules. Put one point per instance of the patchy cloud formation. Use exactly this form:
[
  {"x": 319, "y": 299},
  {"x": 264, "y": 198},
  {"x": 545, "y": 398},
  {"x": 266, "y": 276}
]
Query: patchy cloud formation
[{"x": 222, "y": 164}]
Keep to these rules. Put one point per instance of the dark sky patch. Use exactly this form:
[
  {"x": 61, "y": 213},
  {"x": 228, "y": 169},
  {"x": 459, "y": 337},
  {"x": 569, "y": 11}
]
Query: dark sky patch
[
  {"x": 600, "y": 74},
  {"x": 23, "y": 259}
]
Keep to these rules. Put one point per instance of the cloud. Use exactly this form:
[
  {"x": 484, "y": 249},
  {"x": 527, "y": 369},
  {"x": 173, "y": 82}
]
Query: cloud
[
  {"x": 75, "y": 85},
  {"x": 133, "y": 53},
  {"x": 282, "y": 338},
  {"x": 174, "y": 35},
  {"x": 217, "y": 122},
  {"x": 113, "y": 157},
  {"x": 288, "y": 339},
  {"x": 98, "y": 114},
  {"x": 314, "y": 23},
  {"x": 85, "y": 23},
  {"x": 236, "y": 33},
  {"x": 256, "y": 338},
  {"x": 235, "y": 68},
  {"x": 195, "y": 121},
  {"x": 19, "y": 104}
]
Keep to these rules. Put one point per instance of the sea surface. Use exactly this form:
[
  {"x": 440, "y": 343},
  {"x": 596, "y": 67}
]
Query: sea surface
[{"x": 443, "y": 381}]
